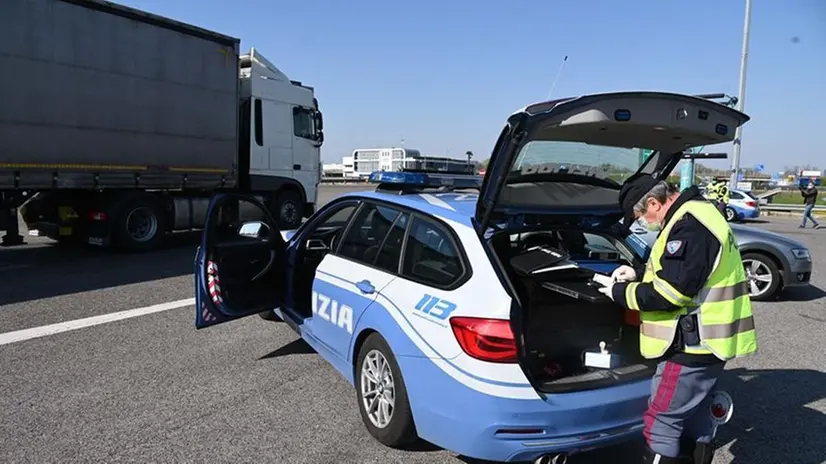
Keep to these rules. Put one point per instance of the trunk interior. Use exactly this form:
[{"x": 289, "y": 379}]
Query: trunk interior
[{"x": 563, "y": 316}]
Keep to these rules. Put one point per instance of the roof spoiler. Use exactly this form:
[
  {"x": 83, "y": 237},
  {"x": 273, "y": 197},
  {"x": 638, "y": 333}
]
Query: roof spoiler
[{"x": 721, "y": 98}]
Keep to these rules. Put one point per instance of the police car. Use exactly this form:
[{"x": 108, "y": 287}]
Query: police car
[{"x": 464, "y": 309}]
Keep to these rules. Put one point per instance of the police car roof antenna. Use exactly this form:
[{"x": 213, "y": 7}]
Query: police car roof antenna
[{"x": 558, "y": 73}]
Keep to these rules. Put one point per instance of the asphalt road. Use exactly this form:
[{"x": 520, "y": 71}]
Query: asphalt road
[{"x": 154, "y": 389}]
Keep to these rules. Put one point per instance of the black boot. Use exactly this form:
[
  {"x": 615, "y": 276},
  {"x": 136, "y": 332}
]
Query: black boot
[
  {"x": 692, "y": 452},
  {"x": 703, "y": 453},
  {"x": 652, "y": 457}
]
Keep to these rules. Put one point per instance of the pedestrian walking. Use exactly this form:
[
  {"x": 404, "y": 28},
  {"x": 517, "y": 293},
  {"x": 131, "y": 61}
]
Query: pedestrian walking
[{"x": 809, "y": 199}]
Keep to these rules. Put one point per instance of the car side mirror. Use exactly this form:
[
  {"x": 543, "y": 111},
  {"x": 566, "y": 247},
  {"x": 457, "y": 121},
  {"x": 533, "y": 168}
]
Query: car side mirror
[{"x": 253, "y": 229}]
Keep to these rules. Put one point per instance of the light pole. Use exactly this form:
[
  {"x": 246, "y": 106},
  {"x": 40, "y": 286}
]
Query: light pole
[{"x": 741, "y": 94}]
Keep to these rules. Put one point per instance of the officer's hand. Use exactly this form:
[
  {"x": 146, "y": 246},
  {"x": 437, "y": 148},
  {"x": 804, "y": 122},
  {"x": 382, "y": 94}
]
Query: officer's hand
[
  {"x": 608, "y": 291},
  {"x": 624, "y": 274}
]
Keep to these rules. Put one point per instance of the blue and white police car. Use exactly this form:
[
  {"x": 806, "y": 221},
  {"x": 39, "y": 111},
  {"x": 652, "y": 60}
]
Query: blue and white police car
[{"x": 463, "y": 310}]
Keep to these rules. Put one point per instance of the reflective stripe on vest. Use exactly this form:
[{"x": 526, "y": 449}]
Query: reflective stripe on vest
[{"x": 722, "y": 307}]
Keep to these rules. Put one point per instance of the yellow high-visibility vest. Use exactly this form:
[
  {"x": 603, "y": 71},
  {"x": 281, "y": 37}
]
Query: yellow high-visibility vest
[{"x": 723, "y": 306}]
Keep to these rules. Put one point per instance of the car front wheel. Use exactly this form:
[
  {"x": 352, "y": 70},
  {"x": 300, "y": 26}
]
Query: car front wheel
[
  {"x": 763, "y": 276},
  {"x": 382, "y": 396}
]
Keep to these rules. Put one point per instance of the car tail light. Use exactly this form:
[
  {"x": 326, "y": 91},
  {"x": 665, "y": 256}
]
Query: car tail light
[
  {"x": 485, "y": 339},
  {"x": 751, "y": 204},
  {"x": 97, "y": 216}
]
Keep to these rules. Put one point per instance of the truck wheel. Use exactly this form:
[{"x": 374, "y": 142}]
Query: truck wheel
[
  {"x": 288, "y": 209},
  {"x": 140, "y": 224}
]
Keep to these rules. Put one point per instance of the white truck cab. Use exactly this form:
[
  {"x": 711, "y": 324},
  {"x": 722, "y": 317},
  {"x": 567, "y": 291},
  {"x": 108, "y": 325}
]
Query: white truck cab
[{"x": 285, "y": 136}]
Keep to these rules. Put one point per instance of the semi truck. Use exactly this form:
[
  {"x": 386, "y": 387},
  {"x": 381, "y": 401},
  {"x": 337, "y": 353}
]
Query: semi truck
[{"x": 117, "y": 126}]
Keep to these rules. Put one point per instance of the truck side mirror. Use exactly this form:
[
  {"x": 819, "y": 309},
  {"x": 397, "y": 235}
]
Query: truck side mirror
[{"x": 319, "y": 121}]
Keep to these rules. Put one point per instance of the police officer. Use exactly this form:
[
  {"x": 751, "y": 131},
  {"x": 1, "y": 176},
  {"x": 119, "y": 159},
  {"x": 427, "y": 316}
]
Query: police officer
[
  {"x": 719, "y": 194},
  {"x": 694, "y": 309}
]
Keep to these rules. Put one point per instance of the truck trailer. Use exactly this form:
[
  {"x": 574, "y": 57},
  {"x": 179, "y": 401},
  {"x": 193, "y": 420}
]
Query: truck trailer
[{"x": 117, "y": 125}]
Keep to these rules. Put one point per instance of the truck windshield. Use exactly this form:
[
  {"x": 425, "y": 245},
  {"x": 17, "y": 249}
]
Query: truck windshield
[{"x": 553, "y": 156}]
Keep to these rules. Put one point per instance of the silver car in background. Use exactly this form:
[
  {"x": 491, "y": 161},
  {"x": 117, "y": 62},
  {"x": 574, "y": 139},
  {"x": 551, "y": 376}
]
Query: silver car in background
[{"x": 773, "y": 262}]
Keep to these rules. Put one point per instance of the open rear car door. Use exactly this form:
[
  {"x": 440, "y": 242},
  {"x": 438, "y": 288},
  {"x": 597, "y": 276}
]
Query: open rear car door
[
  {"x": 240, "y": 267},
  {"x": 517, "y": 182}
]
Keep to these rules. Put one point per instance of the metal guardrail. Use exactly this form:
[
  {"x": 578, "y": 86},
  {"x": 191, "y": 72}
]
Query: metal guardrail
[
  {"x": 789, "y": 208},
  {"x": 770, "y": 193}
]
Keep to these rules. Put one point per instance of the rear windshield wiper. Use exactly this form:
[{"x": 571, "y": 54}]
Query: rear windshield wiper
[{"x": 516, "y": 177}]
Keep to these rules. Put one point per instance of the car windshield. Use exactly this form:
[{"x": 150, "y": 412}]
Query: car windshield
[{"x": 560, "y": 157}]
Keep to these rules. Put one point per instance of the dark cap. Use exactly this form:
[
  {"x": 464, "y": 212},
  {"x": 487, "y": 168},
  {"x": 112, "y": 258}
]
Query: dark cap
[{"x": 631, "y": 192}]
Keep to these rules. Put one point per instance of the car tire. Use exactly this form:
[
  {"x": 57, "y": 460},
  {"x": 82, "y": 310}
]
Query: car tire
[
  {"x": 399, "y": 431},
  {"x": 758, "y": 265},
  {"x": 269, "y": 316},
  {"x": 731, "y": 215}
]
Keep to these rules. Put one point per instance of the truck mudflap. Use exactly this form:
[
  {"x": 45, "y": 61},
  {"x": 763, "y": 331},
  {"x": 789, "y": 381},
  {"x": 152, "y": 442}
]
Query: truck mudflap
[{"x": 99, "y": 232}]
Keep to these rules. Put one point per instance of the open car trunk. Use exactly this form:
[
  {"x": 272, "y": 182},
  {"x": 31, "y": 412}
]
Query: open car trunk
[
  {"x": 563, "y": 315},
  {"x": 560, "y": 164}
]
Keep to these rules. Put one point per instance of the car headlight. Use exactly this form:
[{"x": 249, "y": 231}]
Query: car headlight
[{"x": 801, "y": 253}]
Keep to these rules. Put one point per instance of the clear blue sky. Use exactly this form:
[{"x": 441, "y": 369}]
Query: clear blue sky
[{"x": 445, "y": 74}]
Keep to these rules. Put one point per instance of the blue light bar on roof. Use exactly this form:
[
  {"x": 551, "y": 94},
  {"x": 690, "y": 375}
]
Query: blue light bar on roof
[{"x": 425, "y": 180}]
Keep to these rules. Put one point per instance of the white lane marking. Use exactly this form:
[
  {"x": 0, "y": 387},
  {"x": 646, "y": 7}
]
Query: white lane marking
[
  {"x": 436, "y": 201},
  {"x": 46, "y": 330}
]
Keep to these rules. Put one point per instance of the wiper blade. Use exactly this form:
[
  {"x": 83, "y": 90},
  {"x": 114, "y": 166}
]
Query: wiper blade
[{"x": 518, "y": 176}]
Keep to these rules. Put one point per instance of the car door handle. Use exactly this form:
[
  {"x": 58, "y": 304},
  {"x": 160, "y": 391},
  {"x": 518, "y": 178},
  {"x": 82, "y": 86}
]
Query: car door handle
[{"x": 366, "y": 287}]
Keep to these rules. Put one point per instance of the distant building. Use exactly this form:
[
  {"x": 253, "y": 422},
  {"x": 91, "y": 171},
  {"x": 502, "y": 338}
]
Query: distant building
[{"x": 365, "y": 161}]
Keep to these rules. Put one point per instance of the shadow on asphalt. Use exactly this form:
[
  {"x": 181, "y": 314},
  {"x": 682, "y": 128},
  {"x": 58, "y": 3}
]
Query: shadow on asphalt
[
  {"x": 297, "y": 346},
  {"x": 746, "y": 222},
  {"x": 36, "y": 272},
  {"x": 773, "y": 418},
  {"x": 802, "y": 294}
]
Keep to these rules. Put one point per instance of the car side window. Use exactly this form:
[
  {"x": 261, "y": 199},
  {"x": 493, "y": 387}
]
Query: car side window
[
  {"x": 736, "y": 196},
  {"x": 339, "y": 218},
  {"x": 430, "y": 256},
  {"x": 390, "y": 252},
  {"x": 330, "y": 229},
  {"x": 367, "y": 232}
]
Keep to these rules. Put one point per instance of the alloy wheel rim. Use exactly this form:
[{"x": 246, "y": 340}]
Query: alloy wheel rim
[
  {"x": 378, "y": 390},
  {"x": 759, "y": 276}
]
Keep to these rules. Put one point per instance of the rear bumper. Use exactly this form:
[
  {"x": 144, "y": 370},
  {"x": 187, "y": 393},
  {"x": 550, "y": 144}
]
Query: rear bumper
[
  {"x": 478, "y": 425},
  {"x": 751, "y": 213}
]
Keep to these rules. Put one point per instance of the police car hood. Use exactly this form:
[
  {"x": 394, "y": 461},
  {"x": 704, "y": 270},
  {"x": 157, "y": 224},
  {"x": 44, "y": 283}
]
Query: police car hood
[{"x": 560, "y": 157}]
